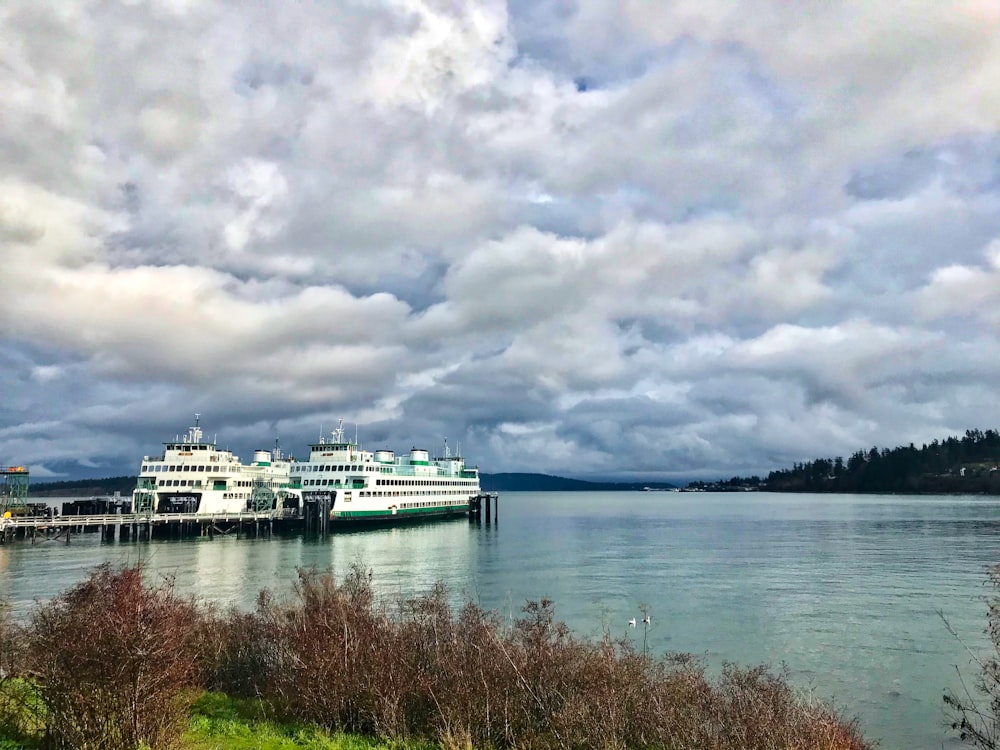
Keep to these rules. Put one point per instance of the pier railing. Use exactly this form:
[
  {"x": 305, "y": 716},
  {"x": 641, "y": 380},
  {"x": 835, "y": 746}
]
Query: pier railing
[{"x": 111, "y": 519}]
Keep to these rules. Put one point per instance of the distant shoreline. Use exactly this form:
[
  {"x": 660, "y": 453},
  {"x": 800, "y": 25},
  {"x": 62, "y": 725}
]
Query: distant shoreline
[
  {"x": 512, "y": 482},
  {"x": 97, "y": 490}
]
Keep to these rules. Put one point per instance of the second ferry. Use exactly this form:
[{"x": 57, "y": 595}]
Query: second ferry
[{"x": 370, "y": 486}]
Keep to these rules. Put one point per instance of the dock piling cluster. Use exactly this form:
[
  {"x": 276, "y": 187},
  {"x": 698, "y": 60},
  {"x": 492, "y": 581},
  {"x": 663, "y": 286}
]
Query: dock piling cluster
[{"x": 485, "y": 503}]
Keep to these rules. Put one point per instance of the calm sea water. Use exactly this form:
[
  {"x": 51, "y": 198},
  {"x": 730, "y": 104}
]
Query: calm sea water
[{"x": 845, "y": 591}]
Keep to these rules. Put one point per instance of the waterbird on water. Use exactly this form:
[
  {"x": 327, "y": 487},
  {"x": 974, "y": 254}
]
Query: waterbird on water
[{"x": 632, "y": 622}]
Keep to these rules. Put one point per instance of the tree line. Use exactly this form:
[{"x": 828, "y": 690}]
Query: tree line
[
  {"x": 81, "y": 487},
  {"x": 967, "y": 464}
]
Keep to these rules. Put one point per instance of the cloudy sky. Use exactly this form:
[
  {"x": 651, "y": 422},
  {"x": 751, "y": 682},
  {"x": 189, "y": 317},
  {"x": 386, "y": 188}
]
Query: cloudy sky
[{"x": 596, "y": 238}]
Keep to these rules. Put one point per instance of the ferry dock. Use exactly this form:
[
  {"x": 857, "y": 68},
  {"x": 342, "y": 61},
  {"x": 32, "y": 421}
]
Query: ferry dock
[{"x": 126, "y": 527}]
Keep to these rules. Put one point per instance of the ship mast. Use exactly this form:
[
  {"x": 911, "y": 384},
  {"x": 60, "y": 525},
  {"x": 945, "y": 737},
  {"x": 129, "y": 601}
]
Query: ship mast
[
  {"x": 194, "y": 434},
  {"x": 338, "y": 434}
]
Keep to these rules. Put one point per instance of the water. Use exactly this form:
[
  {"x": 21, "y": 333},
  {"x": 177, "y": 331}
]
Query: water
[{"x": 845, "y": 591}]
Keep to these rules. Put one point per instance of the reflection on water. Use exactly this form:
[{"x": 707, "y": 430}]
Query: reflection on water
[{"x": 844, "y": 590}]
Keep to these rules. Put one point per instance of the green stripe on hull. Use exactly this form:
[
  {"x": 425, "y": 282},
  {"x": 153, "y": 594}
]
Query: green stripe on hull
[{"x": 401, "y": 513}]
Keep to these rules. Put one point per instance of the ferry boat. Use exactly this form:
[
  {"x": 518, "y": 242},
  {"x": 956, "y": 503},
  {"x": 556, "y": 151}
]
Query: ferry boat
[
  {"x": 352, "y": 485},
  {"x": 193, "y": 475}
]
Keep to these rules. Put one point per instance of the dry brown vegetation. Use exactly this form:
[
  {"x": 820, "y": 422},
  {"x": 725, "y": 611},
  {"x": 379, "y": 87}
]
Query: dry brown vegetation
[
  {"x": 112, "y": 658},
  {"x": 114, "y": 661},
  {"x": 336, "y": 656}
]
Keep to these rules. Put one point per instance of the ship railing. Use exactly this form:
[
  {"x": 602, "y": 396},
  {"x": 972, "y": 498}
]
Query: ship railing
[{"x": 442, "y": 472}]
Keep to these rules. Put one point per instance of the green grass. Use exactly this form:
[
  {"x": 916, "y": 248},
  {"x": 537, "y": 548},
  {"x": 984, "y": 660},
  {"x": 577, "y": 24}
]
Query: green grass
[
  {"x": 217, "y": 722},
  {"x": 21, "y": 714}
]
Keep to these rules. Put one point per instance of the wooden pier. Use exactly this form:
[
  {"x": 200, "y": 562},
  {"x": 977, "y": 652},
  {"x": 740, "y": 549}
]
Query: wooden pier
[
  {"x": 143, "y": 526},
  {"x": 312, "y": 520}
]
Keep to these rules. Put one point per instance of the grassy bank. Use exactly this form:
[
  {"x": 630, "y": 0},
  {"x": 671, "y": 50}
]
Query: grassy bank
[
  {"x": 219, "y": 722},
  {"x": 215, "y": 722},
  {"x": 114, "y": 663}
]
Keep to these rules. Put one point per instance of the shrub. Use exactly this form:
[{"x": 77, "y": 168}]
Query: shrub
[
  {"x": 337, "y": 657},
  {"x": 238, "y": 651},
  {"x": 325, "y": 656},
  {"x": 112, "y": 659}
]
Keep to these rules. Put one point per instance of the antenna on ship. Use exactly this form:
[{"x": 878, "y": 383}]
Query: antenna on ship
[{"x": 194, "y": 434}]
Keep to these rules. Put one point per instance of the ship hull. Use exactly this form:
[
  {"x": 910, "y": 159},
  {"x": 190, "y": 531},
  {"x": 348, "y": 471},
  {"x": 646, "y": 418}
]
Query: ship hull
[{"x": 348, "y": 519}]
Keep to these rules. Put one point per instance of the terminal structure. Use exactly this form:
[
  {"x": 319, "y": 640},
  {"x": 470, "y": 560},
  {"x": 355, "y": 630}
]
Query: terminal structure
[{"x": 14, "y": 491}]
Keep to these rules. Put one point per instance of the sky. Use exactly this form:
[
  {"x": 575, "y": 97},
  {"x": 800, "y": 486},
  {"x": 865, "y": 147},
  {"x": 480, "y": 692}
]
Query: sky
[{"x": 594, "y": 238}]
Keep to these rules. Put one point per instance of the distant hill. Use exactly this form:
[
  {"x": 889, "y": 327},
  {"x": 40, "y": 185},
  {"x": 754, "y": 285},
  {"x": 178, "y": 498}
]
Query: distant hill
[
  {"x": 491, "y": 482},
  {"x": 517, "y": 482},
  {"x": 83, "y": 487}
]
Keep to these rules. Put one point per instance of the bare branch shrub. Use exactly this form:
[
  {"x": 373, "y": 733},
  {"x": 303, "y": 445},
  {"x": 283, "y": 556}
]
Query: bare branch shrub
[
  {"x": 330, "y": 654},
  {"x": 239, "y": 651},
  {"x": 338, "y": 658},
  {"x": 756, "y": 708},
  {"x": 112, "y": 659}
]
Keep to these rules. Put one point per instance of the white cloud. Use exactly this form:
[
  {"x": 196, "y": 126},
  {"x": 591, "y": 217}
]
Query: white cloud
[
  {"x": 738, "y": 233},
  {"x": 874, "y": 73},
  {"x": 440, "y": 55},
  {"x": 972, "y": 292}
]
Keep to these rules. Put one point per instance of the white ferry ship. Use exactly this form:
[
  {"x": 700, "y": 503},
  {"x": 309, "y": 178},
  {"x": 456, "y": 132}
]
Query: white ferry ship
[
  {"x": 365, "y": 486},
  {"x": 195, "y": 476}
]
